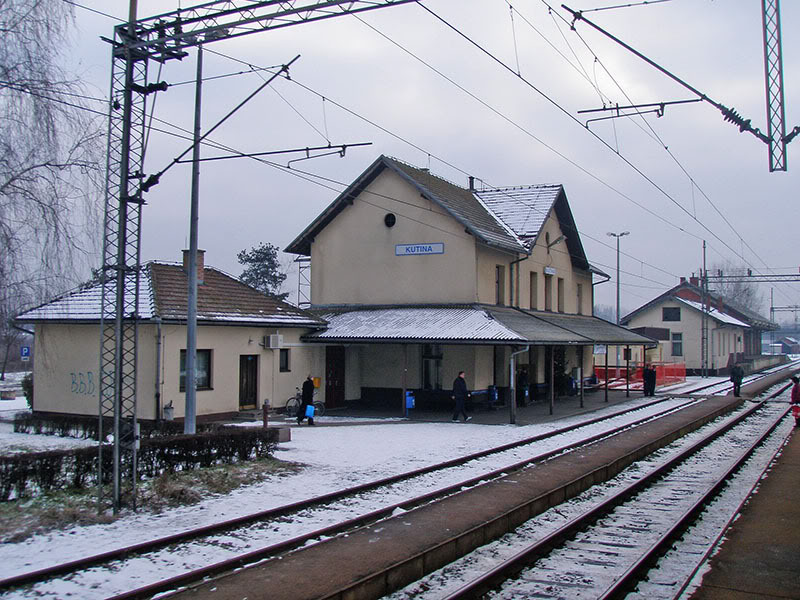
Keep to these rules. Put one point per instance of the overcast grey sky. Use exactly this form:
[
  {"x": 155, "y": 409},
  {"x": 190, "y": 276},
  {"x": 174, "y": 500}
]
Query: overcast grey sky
[{"x": 454, "y": 109}]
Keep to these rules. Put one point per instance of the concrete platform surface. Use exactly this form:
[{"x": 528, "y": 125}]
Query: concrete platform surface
[{"x": 760, "y": 556}]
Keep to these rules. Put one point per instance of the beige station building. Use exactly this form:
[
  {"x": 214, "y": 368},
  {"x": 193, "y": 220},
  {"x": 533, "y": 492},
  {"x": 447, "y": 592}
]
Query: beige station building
[{"x": 412, "y": 279}]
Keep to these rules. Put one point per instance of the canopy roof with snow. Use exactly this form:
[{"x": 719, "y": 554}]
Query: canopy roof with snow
[{"x": 467, "y": 324}]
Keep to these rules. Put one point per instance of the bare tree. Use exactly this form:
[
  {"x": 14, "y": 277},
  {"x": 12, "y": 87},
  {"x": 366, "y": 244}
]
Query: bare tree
[
  {"x": 739, "y": 294},
  {"x": 50, "y": 166}
]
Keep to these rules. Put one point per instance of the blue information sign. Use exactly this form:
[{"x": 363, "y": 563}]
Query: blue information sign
[
  {"x": 418, "y": 249},
  {"x": 25, "y": 353}
]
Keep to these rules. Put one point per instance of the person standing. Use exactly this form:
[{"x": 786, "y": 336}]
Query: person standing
[
  {"x": 460, "y": 395},
  {"x": 307, "y": 399},
  {"x": 522, "y": 387},
  {"x": 795, "y": 400},
  {"x": 737, "y": 374},
  {"x": 649, "y": 377}
]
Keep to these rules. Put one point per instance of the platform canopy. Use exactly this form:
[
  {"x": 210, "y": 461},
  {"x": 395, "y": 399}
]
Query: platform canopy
[{"x": 467, "y": 324}]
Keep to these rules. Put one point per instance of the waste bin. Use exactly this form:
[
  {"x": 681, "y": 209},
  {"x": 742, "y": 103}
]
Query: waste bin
[
  {"x": 409, "y": 399},
  {"x": 492, "y": 396}
]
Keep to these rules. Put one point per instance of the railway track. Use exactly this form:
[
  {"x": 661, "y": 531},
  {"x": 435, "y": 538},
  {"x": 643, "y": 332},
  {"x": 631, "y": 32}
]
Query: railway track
[
  {"x": 604, "y": 547},
  {"x": 258, "y": 537}
]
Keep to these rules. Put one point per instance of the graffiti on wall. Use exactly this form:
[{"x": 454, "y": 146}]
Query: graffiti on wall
[{"x": 82, "y": 383}]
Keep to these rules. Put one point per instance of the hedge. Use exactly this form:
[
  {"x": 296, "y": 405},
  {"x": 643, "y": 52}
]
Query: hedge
[
  {"x": 31, "y": 474},
  {"x": 85, "y": 427}
]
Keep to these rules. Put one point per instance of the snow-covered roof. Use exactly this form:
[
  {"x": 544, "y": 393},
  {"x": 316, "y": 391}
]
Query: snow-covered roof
[
  {"x": 84, "y": 303},
  {"x": 462, "y": 323},
  {"x": 524, "y": 209},
  {"x": 479, "y": 324},
  {"x": 163, "y": 291},
  {"x": 714, "y": 313}
]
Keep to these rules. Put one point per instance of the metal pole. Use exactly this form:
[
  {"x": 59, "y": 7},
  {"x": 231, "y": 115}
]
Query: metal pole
[
  {"x": 617, "y": 321},
  {"x": 580, "y": 350},
  {"x": 606, "y": 386},
  {"x": 552, "y": 378},
  {"x": 617, "y": 235},
  {"x": 189, "y": 421},
  {"x": 627, "y": 371}
]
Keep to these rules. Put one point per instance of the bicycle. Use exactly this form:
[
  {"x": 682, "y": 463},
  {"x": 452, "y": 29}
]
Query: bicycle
[{"x": 294, "y": 402}]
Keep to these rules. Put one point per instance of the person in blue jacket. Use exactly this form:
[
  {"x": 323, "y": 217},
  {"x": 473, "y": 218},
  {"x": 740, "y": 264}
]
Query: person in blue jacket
[
  {"x": 307, "y": 400},
  {"x": 460, "y": 395}
]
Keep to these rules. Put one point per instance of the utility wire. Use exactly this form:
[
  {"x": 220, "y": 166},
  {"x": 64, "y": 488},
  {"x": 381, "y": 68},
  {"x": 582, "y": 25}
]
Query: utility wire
[
  {"x": 658, "y": 138},
  {"x": 294, "y": 171},
  {"x": 570, "y": 116}
]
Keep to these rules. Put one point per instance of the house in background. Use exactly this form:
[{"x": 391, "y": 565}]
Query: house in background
[
  {"x": 248, "y": 346},
  {"x": 675, "y": 319},
  {"x": 419, "y": 278}
]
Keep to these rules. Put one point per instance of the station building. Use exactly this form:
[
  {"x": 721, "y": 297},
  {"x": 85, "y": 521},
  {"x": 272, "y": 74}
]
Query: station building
[
  {"x": 418, "y": 278},
  {"x": 413, "y": 279}
]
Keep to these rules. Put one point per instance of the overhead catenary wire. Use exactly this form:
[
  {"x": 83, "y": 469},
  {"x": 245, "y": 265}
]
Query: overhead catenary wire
[
  {"x": 603, "y": 142},
  {"x": 449, "y": 165},
  {"x": 666, "y": 148}
]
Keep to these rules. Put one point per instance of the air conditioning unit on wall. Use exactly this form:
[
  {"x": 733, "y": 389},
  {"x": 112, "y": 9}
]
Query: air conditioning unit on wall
[{"x": 275, "y": 341}]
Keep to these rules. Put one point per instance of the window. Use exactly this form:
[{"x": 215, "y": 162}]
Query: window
[
  {"x": 560, "y": 290},
  {"x": 499, "y": 284},
  {"x": 284, "y": 360},
  {"x": 671, "y": 313},
  {"x": 579, "y": 298},
  {"x": 202, "y": 370},
  {"x": 677, "y": 344},
  {"x": 548, "y": 292},
  {"x": 534, "y": 303},
  {"x": 431, "y": 367}
]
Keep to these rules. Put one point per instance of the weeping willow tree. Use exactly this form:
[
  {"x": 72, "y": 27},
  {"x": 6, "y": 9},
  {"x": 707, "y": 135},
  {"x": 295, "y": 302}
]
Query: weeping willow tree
[{"x": 51, "y": 171}]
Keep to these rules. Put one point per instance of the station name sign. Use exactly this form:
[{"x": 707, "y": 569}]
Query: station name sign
[{"x": 418, "y": 249}]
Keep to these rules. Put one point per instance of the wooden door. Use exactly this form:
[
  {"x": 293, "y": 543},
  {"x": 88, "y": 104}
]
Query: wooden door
[
  {"x": 334, "y": 376},
  {"x": 248, "y": 381}
]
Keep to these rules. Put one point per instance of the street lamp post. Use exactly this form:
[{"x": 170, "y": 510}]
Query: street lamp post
[{"x": 617, "y": 236}]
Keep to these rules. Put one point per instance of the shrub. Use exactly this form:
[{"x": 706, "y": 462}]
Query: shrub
[
  {"x": 31, "y": 474},
  {"x": 27, "y": 389}
]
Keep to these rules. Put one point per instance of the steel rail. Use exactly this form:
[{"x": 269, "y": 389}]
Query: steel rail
[
  {"x": 238, "y": 522},
  {"x": 634, "y": 573},
  {"x": 228, "y": 565},
  {"x": 515, "y": 564}
]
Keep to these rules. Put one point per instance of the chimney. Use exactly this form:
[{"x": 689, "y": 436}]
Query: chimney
[
  {"x": 695, "y": 281},
  {"x": 683, "y": 279},
  {"x": 200, "y": 264},
  {"x": 471, "y": 183}
]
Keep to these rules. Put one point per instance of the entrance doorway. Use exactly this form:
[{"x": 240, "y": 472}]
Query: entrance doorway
[
  {"x": 334, "y": 376},
  {"x": 248, "y": 381}
]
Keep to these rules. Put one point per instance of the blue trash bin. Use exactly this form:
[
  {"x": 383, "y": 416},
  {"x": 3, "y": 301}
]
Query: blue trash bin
[{"x": 409, "y": 399}]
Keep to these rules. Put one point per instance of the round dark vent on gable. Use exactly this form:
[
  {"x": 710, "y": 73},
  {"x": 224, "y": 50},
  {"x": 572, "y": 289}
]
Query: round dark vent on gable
[{"x": 389, "y": 220}]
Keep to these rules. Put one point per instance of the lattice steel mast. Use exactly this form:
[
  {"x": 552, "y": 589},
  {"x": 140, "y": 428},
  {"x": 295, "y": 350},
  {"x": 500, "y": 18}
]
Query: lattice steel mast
[
  {"x": 160, "y": 38},
  {"x": 773, "y": 77}
]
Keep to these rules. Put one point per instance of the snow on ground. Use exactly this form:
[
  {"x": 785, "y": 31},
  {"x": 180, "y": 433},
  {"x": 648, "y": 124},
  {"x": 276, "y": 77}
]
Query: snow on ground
[{"x": 332, "y": 458}]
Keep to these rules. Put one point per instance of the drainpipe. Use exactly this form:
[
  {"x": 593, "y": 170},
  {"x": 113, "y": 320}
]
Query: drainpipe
[
  {"x": 515, "y": 280},
  {"x": 513, "y": 403},
  {"x": 157, "y": 321}
]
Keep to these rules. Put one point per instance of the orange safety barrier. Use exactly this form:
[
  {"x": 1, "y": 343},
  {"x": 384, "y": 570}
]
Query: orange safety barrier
[{"x": 666, "y": 373}]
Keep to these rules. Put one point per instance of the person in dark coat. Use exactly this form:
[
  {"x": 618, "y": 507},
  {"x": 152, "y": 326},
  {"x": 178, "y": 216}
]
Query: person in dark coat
[
  {"x": 795, "y": 400},
  {"x": 649, "y": 378},
  {"x": 307, "y": 399},
  {"x": 522, "y": 387},
  {"x": 460, "y": 395},
  {"x": 737, "y": 374}
]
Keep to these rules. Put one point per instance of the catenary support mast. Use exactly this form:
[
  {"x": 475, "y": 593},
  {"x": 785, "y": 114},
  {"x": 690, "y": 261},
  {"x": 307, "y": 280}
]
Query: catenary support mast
[{"x": 161, "y": 38}]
